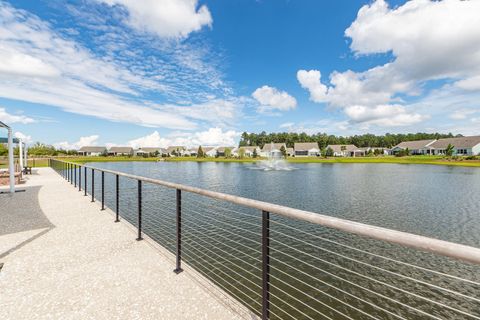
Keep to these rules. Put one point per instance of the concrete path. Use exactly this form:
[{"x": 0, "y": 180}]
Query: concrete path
[{"x": 78, "y": 264}]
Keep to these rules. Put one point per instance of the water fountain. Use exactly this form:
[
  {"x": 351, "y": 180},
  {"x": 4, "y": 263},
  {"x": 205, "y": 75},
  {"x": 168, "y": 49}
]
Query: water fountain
[{"x": 274, "y": 162}]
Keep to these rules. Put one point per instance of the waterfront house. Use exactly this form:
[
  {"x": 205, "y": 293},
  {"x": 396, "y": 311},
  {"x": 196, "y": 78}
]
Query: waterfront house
[
  {"x": 221, "y": 151},
  {"x": 92, "y": 151},
  {"x": 290, "y": 152},
  {"x": 191, "y": 152},
  {"x": 120, "y": 151},
  {"x": 346, "y": 150},
  {"x": 176, "y": 151},
  {"x": 209, "y": 151},
  {"x": 150, "y": 152},
  {"x": 306, "y": 149},
  {"x": 462, "y": 146},
  {"x": 415, "y": 147},
  {"x": 248, "y": 150},
  {"x": 272, "y": 150}
]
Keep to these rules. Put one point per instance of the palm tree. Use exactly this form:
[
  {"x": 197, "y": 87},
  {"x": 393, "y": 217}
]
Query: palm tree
[{"x": 449, "y": 150}]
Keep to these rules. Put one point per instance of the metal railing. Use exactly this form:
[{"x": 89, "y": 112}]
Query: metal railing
[{"x": 285, "y": 263}]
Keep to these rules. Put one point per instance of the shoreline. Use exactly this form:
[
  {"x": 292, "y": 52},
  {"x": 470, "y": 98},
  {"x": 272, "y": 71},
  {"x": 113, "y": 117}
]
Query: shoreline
[{"x": 430, "y": 160}]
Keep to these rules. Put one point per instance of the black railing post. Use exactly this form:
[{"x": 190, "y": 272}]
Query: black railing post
[
  {"x": 71, "y": 173},
  {"x": 85, "y": 184},
  {"x": 75, "y": 175},
  {"x": 178, "y": 268},
  {"x": 117, "y": 198},
  {"x": 103, "y": 190},
  {"x": 139, "y": 211},
  {"x": 79, "y": 178},
  {"x": 265, "y": 265},
  {"x": 93, "y": 185}
]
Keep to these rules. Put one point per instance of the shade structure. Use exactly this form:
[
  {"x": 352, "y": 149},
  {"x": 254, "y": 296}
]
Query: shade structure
[{"x": 11, "y": 168}]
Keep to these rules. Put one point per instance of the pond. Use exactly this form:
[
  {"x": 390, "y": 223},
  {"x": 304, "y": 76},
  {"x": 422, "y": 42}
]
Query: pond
[{"x": 318, "y": 272}]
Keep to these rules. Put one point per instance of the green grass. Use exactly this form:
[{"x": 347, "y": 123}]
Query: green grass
[{"x": 432, "y": 160}]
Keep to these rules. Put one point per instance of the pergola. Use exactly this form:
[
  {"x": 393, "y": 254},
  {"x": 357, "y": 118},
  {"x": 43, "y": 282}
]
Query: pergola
[{"x": 22, "y": 149}]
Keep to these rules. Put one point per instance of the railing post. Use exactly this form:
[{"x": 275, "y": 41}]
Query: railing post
[
  {"x": 265, "y": 265},
  {"x": 71, "y": 173},
  {"x": 117, "y": 198},
  {"x": 139, "y": 211},
  {"x": 79, "y": 178},
  {"x": 75, "y": 175},
  {"x": 178, "y": 268},
  {"x": 85, "y": 184},
  {"x": 103, "y": 190},
  {"x": 93, "y": 185}
]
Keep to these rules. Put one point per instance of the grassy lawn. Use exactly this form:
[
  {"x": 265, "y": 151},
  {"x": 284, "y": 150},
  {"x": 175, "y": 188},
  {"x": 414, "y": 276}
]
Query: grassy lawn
[{"x": 435, "y": 160}]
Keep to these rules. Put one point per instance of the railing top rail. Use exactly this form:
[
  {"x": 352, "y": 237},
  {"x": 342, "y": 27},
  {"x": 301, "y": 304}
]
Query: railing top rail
[{"x": 440, "y": 247}]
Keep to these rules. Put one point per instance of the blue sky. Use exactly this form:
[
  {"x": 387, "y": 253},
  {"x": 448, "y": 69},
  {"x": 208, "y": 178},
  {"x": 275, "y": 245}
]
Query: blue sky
[{"x": 159, "y": 72}]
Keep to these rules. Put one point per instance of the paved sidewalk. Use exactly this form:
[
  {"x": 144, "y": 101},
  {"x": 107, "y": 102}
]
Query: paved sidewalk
[{"x": 84, "y": 266}]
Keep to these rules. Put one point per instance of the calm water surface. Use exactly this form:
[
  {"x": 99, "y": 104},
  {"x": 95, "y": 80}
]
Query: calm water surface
[{"x": 313, "y": 275}]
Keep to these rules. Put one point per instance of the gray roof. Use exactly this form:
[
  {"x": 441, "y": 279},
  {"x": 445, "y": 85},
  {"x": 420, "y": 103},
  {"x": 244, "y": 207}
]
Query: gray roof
[
  {"x": 412, "y": 145},
  {"x": 206, "y": 149},
  {"x": 120, "y": 149},
  {"x": 248, "y": 148},
  {"x": 278, "y": 146},
  {"x": 92, "y": 149},
  {"x": 305, "y": 146},
  {"x": 150, "y": 149},
  {"x": 173, "y": 148},
  {"x": 222, "y": 149},
  {"x": 338, "y": 147},
  {"x": 458, "y": 143}
]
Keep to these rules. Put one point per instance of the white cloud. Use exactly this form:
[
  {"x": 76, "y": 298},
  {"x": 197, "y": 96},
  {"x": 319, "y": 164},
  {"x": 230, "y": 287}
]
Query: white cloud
[
  {"x": 287, "y": 125},
  {"x": 82, "y": 142},
  {"x": 8, "y": 118},
  {"x": 211, "y": 137},
  {"x": 40, "y": 65},
  {"x": 462, "y": 114},
  {"x": 273, "y": 99},
  {"x": 25, "y": 138},
  {"x": 166, "y": 18},
  {"x": 428, "y": 40}
]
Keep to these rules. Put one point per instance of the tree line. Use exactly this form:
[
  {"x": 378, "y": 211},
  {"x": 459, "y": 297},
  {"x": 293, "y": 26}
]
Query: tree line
[
  {"x": 38, "y": 149},
  {"x": 365, "y": 140}
]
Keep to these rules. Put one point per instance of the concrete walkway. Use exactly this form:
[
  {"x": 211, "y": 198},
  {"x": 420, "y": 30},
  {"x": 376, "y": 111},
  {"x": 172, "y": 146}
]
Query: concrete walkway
[{"x": 81, "y": 265}]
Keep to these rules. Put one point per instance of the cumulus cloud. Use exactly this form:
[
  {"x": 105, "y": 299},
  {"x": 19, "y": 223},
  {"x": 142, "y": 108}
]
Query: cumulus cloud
[
  {"x": 271, "y": 98},
  {"x": 82, "y": 142},
  {"x": 166, "y": 18},
  {"x": 211, "y": 137},
  {"x": 428, "y": 41},
  {"x": 25, "y": 138},
  {"x": 8, "y": 118}
]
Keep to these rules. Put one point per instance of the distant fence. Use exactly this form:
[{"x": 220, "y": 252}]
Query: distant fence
[{"x": 285, "y": 263}]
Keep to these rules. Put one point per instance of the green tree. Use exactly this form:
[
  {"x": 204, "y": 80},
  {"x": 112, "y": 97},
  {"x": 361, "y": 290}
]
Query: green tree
[
  {"x": 254, "y": 154},
  {"x": 3, "y": 150},
  {"x": 283, "y": 151},
  {"x": 241, "y": 153},
  {"x": 200, "y": 153},
  {"x": 329, "y": 152},
  {"x": 228, "y": 152},
  {"x": 449, "y": 150}
]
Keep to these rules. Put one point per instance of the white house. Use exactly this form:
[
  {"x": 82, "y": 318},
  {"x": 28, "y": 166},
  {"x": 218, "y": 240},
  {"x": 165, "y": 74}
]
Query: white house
[
  {"x": 176, "y": 151},
  {"x": 415, "y": 147},
  {"x": 150, "y": 151},
  {"x": 92, "y": 151},
  {"x": 346, "y": 150},
  {"x": 249, "y": 150},
  {"x": 306, "y": 149},
  {"x": 120, "y": 151},
  {"x": 467, "y": 146},
  {"x": 273, "y": 150},
  {"x": 210, "y": 151}
]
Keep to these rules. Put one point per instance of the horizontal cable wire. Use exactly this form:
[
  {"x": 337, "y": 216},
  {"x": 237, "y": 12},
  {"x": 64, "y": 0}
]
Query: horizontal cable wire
[
  {"x": 374, "y": 280},
  {"x": 338, "y": 289},
  {"x": 358, "y": 286},
  {"x": 299, "y": 311},
  {"x": 375, "y": 255},
  {"x": 369, "y": 265}
]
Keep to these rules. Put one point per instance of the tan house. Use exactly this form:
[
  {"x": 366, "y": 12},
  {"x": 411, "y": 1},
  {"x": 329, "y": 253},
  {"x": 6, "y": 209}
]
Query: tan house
[
  {"x": 306, "y": 149},
  {"x": 150, "y": 151},
  {"x": 248, "y": 150},
  {"x": 415, "y": 147},
  {"x": 273, "y": 150},
  {"x": 92, "y": 151},
  {"x": 120, "y": 151},
  {"x": 176, "y": 150},
  {"x": 346, "y": 150},
  {"x": 461, "y": 146}
]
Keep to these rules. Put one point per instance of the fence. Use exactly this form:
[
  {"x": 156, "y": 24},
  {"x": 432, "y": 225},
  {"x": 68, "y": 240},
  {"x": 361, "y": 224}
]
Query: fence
[{"x": 284, "y": 263}]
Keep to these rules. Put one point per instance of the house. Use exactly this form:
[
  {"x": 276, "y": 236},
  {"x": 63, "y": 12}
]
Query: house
[
  {"x": 290, "y": 152},
  {"x": 192, "y": 152},
  {"x": 381, "y": 150},
  {"x": 221, "y": 151},
  {"x": 306, "y": 149},
  {"x": 272, "y": 150},
  {"x": 150, "y": 152},
  {"x": 174, "y": 151},
  {"x": 346, "y": 150},
  {"x": 92, "y": 151},
  {"x": 210, "y": 151},
  {"x": 415, "y": 147},
  {"x": 120, "y": 151},
  {"x": 467, "y": 146},
  {"x": 249, "y": 150}
]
